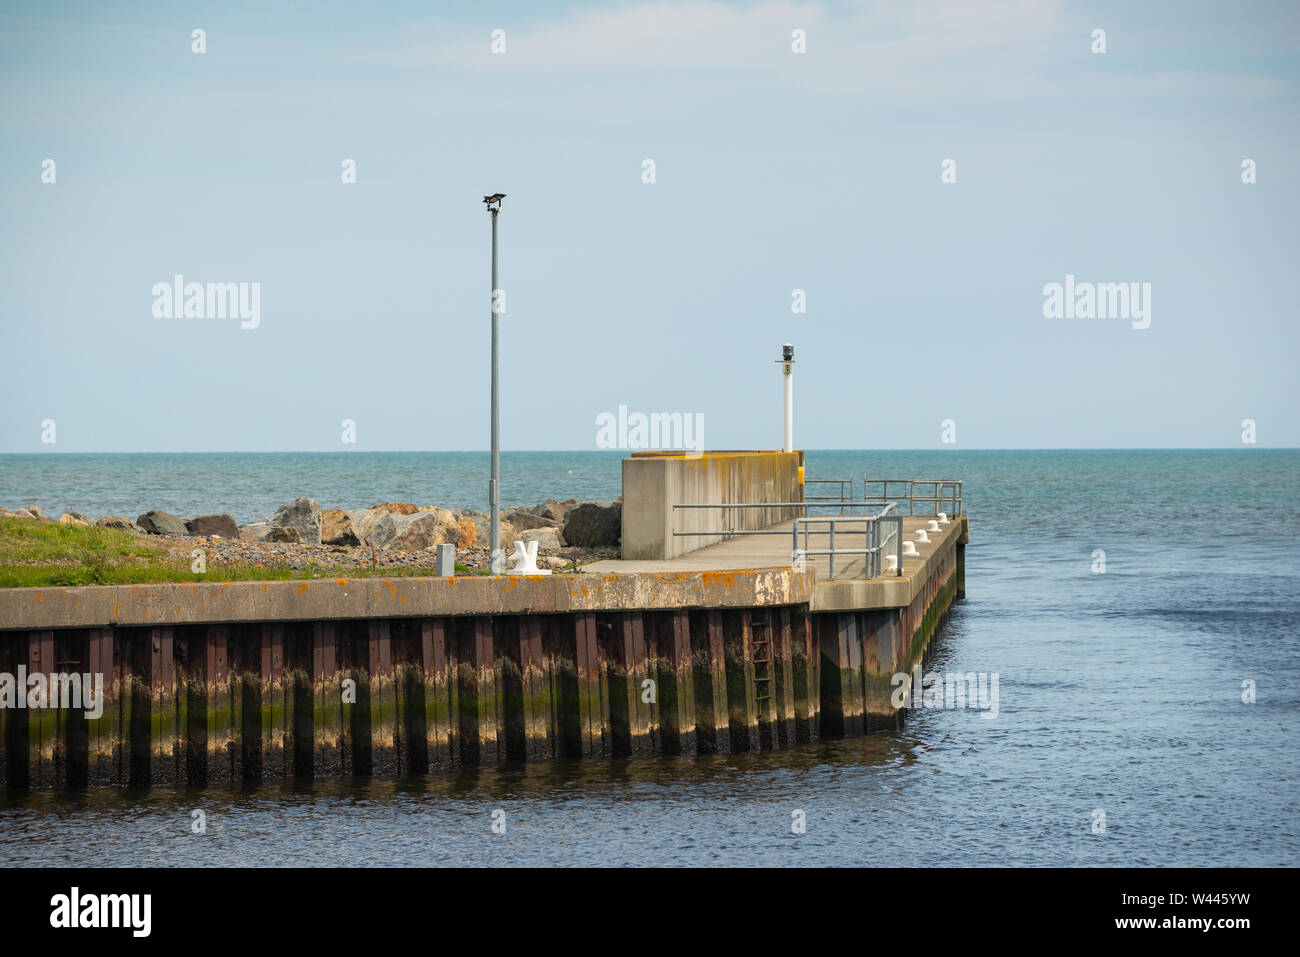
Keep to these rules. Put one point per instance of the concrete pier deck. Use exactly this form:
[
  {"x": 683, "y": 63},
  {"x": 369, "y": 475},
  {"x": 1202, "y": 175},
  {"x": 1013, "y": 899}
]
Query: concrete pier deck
[{"x": 847, "y": 591}]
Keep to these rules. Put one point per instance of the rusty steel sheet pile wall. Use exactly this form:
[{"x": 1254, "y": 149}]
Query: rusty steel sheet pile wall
[
  {"x": 862, "y": 650},
  {"x": 207, "y": 705}
]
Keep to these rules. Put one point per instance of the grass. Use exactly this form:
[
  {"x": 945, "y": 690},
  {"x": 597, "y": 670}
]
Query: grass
[
  {"x": 25, "y": 540},
  {"x": 48, "y": 554}
]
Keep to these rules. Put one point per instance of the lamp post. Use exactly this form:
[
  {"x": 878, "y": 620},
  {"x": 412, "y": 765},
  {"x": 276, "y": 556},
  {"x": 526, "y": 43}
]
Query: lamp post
[
  {"x": 497, "y": 559},
  {"x": 787, "y": 367}
]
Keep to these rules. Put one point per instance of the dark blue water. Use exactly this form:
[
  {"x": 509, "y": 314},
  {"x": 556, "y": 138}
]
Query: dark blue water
[{"x": 1120, "y": 692}]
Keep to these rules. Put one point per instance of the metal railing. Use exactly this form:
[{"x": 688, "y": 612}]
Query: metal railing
[
  {"x": 878, "y": 529},
  {"x": 876, "y": 539},
  {"x": 840, "y": 499},
  {"x": 945, "y": 494},
  {"x": 730, "y": 508}
]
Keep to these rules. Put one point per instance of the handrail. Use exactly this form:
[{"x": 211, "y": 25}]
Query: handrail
[
  {"x": 946, "y": 495},
  {"x": 874, "y": 543},
  {"x": 879, "y": 528},
  {"x": 830, "y": 498},
  {"x": 730, "y": 531}
]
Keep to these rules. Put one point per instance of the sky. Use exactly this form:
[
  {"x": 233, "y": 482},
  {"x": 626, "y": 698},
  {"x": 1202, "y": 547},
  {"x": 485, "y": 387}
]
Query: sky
[{"x": 774, "y": 171}]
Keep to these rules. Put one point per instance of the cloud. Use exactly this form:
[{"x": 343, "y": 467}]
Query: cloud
[
  {"x": 924, "y": 51},
  {"x": 698, "y": 34}
]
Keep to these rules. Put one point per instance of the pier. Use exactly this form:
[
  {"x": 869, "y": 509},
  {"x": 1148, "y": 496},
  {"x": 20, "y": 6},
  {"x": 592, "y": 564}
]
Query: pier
[{"x": 753, "y": 610}]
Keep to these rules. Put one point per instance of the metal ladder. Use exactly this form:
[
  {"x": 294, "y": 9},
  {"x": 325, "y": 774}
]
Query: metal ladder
[{"x": 761, "y": 644}]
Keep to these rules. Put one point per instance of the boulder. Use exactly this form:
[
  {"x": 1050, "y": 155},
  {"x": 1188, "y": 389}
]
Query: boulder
[
  {"x": 284, "y": 533},
  {"x": 157, "y": 522},
  {"x": 75, "y": 518},
  {"x": 555, "y": 511},
  {"x": 424, "y": 530},
  {"x": 255, "y": 531},
  {"x": 594, "y": 524},
  {"x": 547, "y": 539},
  {"x": 36, "y": 511},
  {"x": 119, "y": 522},
  {"x": 202, "y": 526},
  {"x": 482, "y": 534},
  {"x": 400, "y": 508},
  {"x": 374, "y": 526},
  {"x": 468, "y": 531},
  {"x": 524, "y": 519},
  {"x": 302, "y": 514},
  {"x": 25, "y": 513},
  {"x": 477, "y": 519},
  {"x": 336, "y": 528}
]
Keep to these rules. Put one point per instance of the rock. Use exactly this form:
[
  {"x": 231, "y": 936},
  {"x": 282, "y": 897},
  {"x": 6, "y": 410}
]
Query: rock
[
  {"x": 480, "y": 523},
  {"x": 468, "y": 531},
  {"x": 201, "y": 526},
  {"x": 374, "y": 526},
  {"x": 255, "y": 531},
  {"x": 336, "y": 528},
  {"x": 424, "y": 530},
  {"x": 156, "y": 522},
  {"x": 547, "y": 539},
  {"x": 302, "y": 514},
  {"x": 36, "y": 511},
  {"x": 554, "y": 562},
  {"x": 74, "y": 518},
  {"x": 285, "y": 533},
  {"x": 480, "y": 537},
  {"x": 555, "y": 511},
  {"x": 525, "y": 518},
  {"x": 24, "y": 513},
  {"x": 594, "y": 524},
  {"x": 401, "y": 508},
  {"x": 119, "y": 522}
]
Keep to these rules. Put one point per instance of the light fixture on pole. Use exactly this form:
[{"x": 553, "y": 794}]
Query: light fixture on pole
[
  {"x": 787, "y": 366},
  {"x": 495, "y": 555}
]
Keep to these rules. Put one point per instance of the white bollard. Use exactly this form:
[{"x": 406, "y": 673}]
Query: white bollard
[
  {"x": 526, "y": 558},
  {"x": 891, "y": 563},
  {"x": 934, "y": 526},
  {"x": 909, "y": 548},
  {"x": 921, "y": 536},
  {"x": 943, "y": 518}
]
